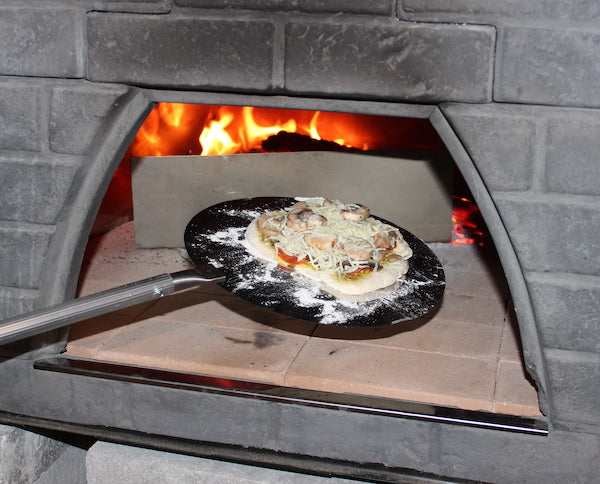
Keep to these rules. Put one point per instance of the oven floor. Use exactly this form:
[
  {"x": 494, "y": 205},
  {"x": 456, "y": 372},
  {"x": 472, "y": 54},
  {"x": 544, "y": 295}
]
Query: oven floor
[{"x": 466, "y": 354}]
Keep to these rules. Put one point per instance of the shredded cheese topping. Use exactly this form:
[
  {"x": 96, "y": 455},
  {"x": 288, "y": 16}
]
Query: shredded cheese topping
[{"x": 335, "y": 240}]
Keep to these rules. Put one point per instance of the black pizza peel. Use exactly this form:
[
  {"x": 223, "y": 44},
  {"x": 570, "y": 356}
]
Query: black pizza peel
[{"x": 215, "y": 242}]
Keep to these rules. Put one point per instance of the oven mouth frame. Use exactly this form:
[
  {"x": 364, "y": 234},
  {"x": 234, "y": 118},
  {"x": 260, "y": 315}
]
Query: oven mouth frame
[
  {"x": 80, "y": 435},
  {"x": 67, "y": 246},
  {"x": 348, "y": 402}
]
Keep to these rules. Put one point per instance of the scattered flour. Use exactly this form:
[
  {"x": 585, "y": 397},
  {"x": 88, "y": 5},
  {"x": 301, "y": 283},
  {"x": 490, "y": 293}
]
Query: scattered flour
[{"x": 259, "y": 280}]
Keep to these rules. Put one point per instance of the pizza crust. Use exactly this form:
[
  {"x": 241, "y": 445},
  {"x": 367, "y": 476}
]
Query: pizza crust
[{"x": 371, "y": 286}]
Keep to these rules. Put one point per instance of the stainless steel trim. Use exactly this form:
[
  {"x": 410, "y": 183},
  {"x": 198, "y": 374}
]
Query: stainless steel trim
[{"x": 335, "y": 401}]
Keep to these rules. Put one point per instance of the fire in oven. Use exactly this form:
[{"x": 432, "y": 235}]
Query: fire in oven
[{"x": 440, "y": 333}]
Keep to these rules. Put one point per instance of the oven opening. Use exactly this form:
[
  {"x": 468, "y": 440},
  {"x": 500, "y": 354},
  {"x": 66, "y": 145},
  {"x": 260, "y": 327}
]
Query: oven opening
[{"x": 463, "y": 354}]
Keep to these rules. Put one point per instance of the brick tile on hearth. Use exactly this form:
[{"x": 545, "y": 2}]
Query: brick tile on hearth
[
  {"x": 345, "y": 367},
  {"x": 227, "y": 352},
  {"x": 514, "y": 394},
  {"x": 434, "y": 336}
]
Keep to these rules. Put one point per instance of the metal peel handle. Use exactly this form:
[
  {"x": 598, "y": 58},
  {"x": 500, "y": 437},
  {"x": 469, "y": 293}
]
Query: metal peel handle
[{"x": 100, "y": 303}]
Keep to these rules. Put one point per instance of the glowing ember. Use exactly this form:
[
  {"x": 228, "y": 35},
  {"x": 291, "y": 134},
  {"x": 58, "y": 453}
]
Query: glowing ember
[{"x": 466, "y": 222}]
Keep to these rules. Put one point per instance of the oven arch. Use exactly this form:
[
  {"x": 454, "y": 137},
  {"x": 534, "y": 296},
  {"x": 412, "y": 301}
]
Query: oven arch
[{"x": 65, "y": 253}]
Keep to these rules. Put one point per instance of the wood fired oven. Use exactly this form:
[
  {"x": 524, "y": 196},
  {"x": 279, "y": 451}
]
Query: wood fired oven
[{"x": 78, "y": 81}]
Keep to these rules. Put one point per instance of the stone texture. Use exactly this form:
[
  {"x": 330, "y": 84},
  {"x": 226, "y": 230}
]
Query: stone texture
[
  {"x": 506, "y": 458},
  {"x": 403, "y": 443},
  {"x": 245, "y": 4},
  {"x": 24, "y": 455},
  {"x": 115, "y": 464},
  {"x": 69, "y": 467},
  {"x": 22, "y": 250},
  {"x": 533, "y": 222},
  {"x": 567, "y": 309},
  {"x": 572, "y": 147},
  {"x": 15, "y": 301},
  {"x": 377, "y": 7},
  {"x": 34, "y": 190},
  {"x": 20, "y": 124},
  {"x": 138, "y": 6},
  {"x": 499, "y": 141},
  {"x": 76, "y": 115},
  {"x": 575, "y": 385},
  {"x": 517, "y": 9},
  {"x": 547, "y": 66},
  {"x": 41, "y": 42},
  {"x": 535, "y": 65},
  {"x": 417, "y": 62},
  {"x": 180, "y": 52}
]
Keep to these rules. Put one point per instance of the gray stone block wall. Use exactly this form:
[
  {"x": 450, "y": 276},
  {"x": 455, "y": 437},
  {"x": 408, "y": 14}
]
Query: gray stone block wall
[
  {"x": 373, "y": 7},
  {"x": 181, "y": 51},
  {"x": 474, "y": 10},
  {"x": 64, "y": 68},
  {"x": 48, "y": 125},
  {"x": 42, "y": 42},
  {"x": 548, "y": 66},
  {"x": 112, "y": 464},
  {"x": 390, "y": 61},
  {"x": 29, "y": 457},
  {"x": 549, "y": 201}
]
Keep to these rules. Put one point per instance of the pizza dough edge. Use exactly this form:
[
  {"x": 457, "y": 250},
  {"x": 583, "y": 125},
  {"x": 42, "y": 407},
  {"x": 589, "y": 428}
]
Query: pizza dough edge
[{"x": 375, "y": 286}]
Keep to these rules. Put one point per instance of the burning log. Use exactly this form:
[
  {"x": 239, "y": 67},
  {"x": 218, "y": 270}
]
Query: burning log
[{"x": 289, "y": 142}]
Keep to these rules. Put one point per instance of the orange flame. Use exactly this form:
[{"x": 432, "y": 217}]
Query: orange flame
[{"x": 179, "y": 129}]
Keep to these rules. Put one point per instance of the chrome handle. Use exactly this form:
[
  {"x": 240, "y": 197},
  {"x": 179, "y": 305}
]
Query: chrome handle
[{"x": 100, "y": 303}]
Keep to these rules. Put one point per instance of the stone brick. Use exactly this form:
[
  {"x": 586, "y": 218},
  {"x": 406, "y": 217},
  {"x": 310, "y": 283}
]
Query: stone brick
[
  {"x": 130, "y": 6},
  {"x": 336, "y": 439},
  {"x": 22, "y": 251},
  {"x": 567, "y": 309},
  {"x": 553, "y": 233},
  {"x": 544, "y": 66},
  {"x": 76, "y": 116},
  {"x": 376, "y": 7},
  {"x": 33, "y": 190},
  {"x": 245, "y": 4},
  {"x": 416, "y": 62},
  {"x": 575, "y": 385},
  {"x": 15, "y": 301},
  {"x": 41, "y": 42},
  {"x": 518, "y": 9},
  {"x": 507, "y": 458},
  {"x": 188, "y": 52},
  {"x": 114, "y": 463},
  {"x": 19, "y": 118},
  {"x": 499, "y": 141},
  {"x": 26, "y": 455},
  {"x": 572, "y": 151}
]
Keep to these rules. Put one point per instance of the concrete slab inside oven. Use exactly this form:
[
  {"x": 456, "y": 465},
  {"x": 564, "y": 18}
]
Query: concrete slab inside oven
[{"x": 411, "y": 189}]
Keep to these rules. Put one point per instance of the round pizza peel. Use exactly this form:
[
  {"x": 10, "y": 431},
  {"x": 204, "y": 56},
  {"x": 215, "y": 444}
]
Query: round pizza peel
[
  {"x": 215, "y": 241},
  {"x": 216, "y": 236}
]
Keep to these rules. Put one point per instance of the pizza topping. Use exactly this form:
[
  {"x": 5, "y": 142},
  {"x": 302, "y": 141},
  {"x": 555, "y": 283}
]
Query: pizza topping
[
  {"x": 290, "y": 259},
  {"x": 319, "y": 241},
  {"x": 270, "y": 224},
  {"x": 355, "y": 212},
  {"x": 333, "y": 237},
  {"x": 302, "y": 218},
  {"x": 356, "y": 248}
]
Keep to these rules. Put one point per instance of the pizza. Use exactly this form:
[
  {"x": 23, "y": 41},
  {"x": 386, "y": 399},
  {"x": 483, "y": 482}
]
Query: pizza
[{"x": 341, "y": 245}]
